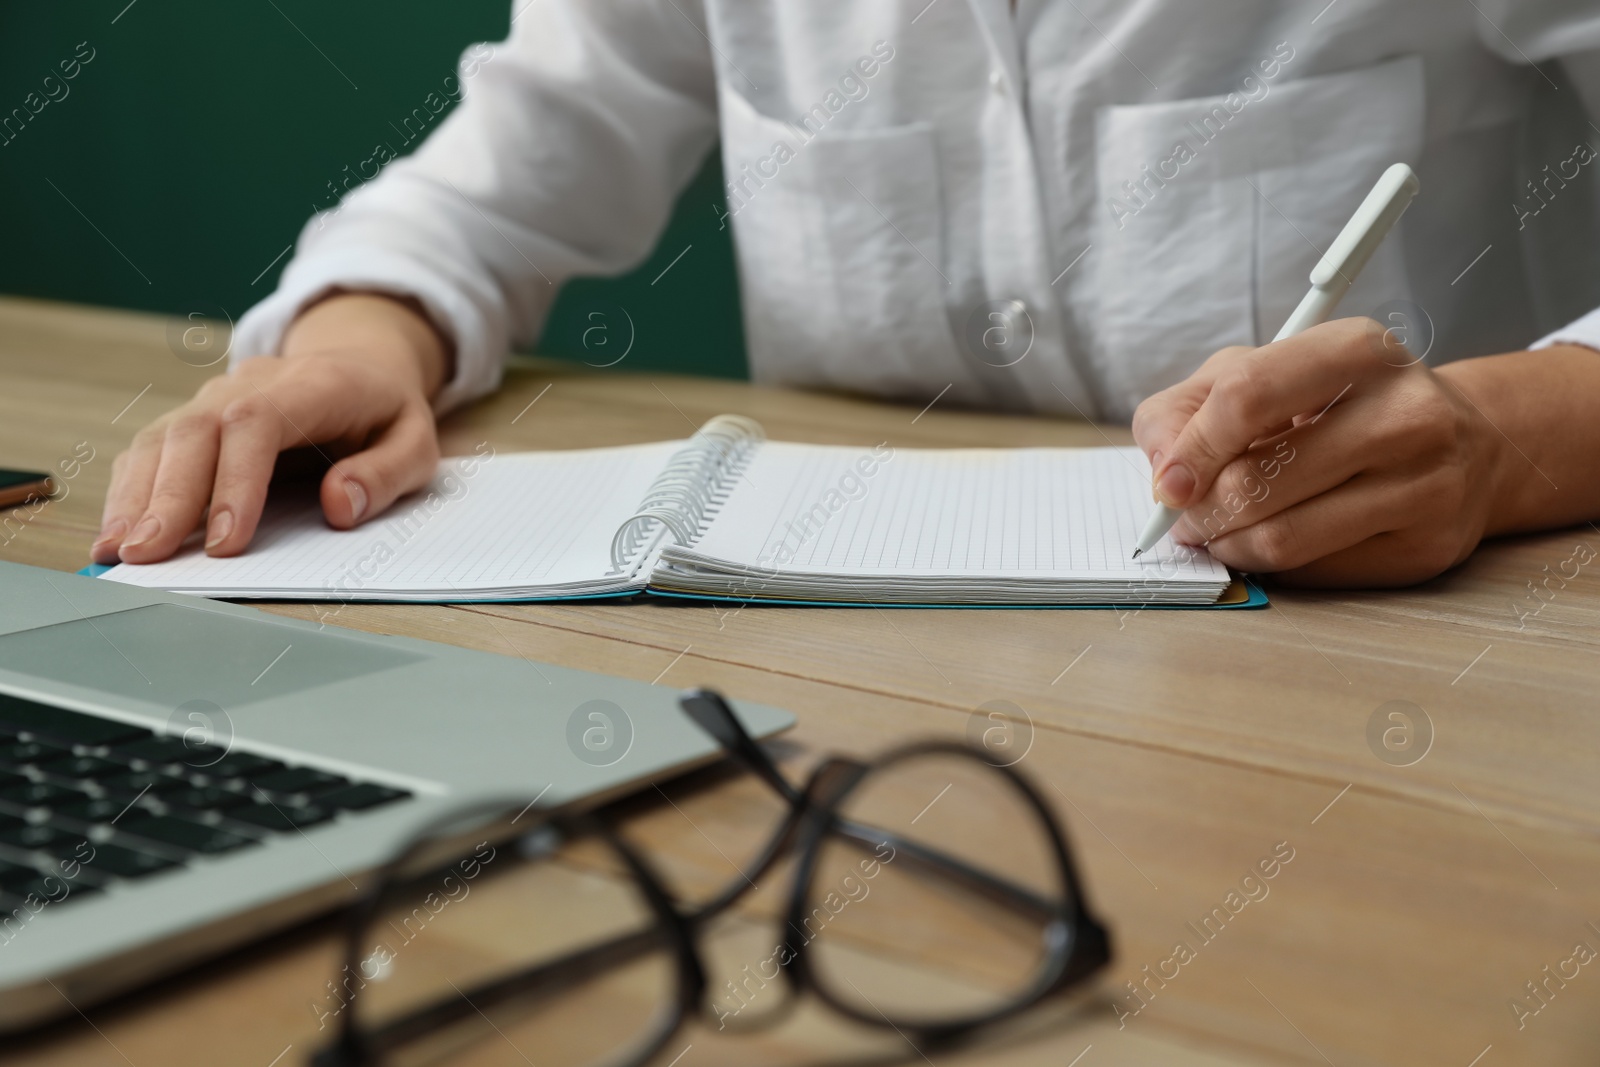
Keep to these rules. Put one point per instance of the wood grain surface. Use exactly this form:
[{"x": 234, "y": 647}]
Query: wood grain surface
[{"x": 1179, "y": 748}]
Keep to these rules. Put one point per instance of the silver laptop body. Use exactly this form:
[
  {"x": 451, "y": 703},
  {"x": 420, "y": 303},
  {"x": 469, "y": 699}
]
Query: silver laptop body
[{"x": 179, "y": 776}]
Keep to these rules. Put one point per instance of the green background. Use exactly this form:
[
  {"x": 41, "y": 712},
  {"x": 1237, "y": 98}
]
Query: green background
[{"x": 196, "y": 143}]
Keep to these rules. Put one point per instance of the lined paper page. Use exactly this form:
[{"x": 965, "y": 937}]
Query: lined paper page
[
  {"x": 1048, "y": 513},
  {"x": 511, "y": 522}
]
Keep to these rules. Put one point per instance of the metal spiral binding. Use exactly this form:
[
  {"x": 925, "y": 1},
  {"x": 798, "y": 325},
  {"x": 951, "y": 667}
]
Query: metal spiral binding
[{"x": 687, "y": 492}]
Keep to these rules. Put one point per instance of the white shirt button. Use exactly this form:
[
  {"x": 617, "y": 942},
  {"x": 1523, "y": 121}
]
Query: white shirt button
[{"x": 997, "y": 81}]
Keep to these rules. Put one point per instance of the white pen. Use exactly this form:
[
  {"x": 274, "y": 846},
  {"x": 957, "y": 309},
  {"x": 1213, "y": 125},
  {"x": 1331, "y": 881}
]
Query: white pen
[{"x": 1332, "y": 277}]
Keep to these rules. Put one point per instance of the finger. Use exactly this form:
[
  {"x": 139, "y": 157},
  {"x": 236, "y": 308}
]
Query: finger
[
  {"x": 1261, "y": 390},
  {"x": 1298, "y": 465},
  {"x": 1364, "y": 507},
  {"x": 181, "y": 489},
  {"x": 304, "y": 410},
  {"x": 251, "y": 436},
  {"x": 1161, "y": 417},
  {"x": 404, "y": 457},
  {"x": 132, "y": 474}
]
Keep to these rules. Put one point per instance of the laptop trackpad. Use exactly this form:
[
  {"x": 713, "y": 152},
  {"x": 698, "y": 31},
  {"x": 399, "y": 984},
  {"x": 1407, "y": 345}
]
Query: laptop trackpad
[{"x": 169, "y": 654}]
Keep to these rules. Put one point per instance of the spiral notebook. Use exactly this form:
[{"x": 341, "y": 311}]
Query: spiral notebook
[{"x": 730, "y": 515}]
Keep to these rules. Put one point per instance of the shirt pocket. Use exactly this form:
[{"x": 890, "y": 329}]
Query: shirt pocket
[
  {"x": 1212, "y": 212},
  {"x": 841, "y": 252}
]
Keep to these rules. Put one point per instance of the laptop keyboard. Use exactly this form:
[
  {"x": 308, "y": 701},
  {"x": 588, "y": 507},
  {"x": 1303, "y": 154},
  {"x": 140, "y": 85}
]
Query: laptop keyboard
[{"x": 86, "y": 802}]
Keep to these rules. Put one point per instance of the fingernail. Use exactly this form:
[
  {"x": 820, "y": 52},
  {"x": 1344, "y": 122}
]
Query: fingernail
[
  {"x": 111, "y": 532},
  {"x": 1155, "y": 465},
  {"x": 358, "y": 499},
  {"x": 1175, "y": 486},
  {"x": 148, "y": 527},
  {"x": 221, "y": 527},
  {"x": 104, "y": 549}
]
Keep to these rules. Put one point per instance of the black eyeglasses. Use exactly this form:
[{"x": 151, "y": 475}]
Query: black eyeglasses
[{"x": 930, "y": 844}]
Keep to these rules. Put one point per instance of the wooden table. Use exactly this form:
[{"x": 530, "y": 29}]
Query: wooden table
[{"x": 1179, "y": 749}]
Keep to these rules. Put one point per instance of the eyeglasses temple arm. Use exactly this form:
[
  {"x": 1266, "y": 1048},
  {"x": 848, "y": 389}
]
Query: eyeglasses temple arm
[{"x": 711, "y": 713}]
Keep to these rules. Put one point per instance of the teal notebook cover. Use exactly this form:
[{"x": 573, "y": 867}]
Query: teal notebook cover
[{"x": 1251, "y": 596}]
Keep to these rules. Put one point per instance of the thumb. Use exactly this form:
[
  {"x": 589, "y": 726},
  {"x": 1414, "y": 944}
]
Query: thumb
[{"x": 403, "y": 458}]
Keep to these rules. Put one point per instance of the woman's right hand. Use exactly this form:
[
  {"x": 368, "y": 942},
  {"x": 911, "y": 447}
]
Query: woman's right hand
[{"x": 354, "y": 380}]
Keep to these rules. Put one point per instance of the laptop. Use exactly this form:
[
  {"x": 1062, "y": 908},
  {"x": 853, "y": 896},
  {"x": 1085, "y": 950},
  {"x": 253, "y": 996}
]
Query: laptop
[{"x": 179, "y": 776}]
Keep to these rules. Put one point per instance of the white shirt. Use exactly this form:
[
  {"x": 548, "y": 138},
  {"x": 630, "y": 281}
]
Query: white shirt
[{"x": 1062, "y": 211}]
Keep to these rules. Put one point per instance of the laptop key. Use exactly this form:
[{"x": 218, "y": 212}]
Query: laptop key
[
  {"x": 29, "y": 753},
  {"x": 299, "y": 780},
  {"x": 15, "y": 874},
  {"x": 139, "y": 782},
  {"x": 41, "y": 794},
  {"x": 359, "y": 797},
  {"x": 58, "y": 723},
  {"x": 184, "y": 833},
  {"x": 83, "y": 767},
  {"x": 206, "y": 798},
  {"x": 38, "y": 837},
  {"x": 127, "y": 862},
  {"x": 246, "y": 765},
  {"x": 95, "y": 810},
  {"x": 164, "y": 749},
  {"x": 281, "y": 817}
]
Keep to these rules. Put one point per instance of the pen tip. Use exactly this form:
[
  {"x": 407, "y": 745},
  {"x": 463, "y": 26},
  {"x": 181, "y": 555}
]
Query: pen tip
[{"x": 1136, "y": 552}]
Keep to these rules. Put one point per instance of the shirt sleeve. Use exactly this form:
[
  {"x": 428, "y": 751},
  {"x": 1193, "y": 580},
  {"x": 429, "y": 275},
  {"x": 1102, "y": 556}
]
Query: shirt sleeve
[
  {"x": 1568, "y": 31},
  {"x": 1585, "y": 331},
  {"x": 1583, "y": 69},
  {"x": 565, "y": 156}
]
